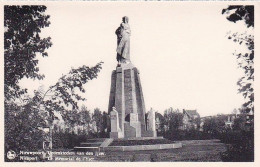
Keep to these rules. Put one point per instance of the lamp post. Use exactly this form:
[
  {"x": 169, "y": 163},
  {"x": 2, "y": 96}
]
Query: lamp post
[{"x": 47, "y": 143}]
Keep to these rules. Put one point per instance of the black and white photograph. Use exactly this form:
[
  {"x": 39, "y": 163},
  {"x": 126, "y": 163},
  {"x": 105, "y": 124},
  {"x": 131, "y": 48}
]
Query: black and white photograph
[{"x": 128, "y": 81}]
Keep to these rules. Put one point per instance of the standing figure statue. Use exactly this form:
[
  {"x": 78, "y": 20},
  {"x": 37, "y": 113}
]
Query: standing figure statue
[{"x": 123, "y": 41}]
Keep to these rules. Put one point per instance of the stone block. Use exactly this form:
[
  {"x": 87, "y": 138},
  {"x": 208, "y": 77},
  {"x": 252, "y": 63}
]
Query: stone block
[
  {"x": 133, "y": 117},
  {"x": 114, "y": 121},
  {"x": 112, "y": 91},
  {"x": 116, "y": 135}
]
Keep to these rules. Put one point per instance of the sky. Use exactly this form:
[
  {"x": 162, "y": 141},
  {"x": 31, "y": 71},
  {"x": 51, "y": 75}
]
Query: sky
[{"x": 181, "y": 50}]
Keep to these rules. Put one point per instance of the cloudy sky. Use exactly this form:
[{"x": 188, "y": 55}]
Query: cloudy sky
[{"x": 181, "y": 50}]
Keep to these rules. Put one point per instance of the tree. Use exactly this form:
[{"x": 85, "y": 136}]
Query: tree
[
  {"x": 173, "y": 122},
  {"x": 176, "y": 120},
  {"x": 240, "y": 13},
  {"x": 197, "y": 122},
  {"x": 235, "y": 111},
  {"x": 40, "y": 110},
  {"x": 64, "y": 95},
  {"x": 72, "y": 119},
  {"x": 215, "y": 125},
  {"x": 22, "y": 126},
  {"x": 160, "y": 128},
  {"x": 97, "y": 118},
  {"x": 105, "y": 120},
  {"x": 244, "y": 144},
  {"x": 22, "y": 43},
  {"x": 239, "y": 123},
  {"x": 85, "y": 119},
  {"x": 245, "y": 60}
]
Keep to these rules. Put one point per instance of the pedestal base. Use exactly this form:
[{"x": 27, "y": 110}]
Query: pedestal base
[
  {"x": 149, "y": 133},
  {"x": 116, "y": 135},
  {"x": 126, "y": 96}
]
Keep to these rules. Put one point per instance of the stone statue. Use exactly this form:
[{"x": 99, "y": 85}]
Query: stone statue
[
  {"x": 114, "y": 120},
  {"x": 114, "y": 109},
  {"x": 123, "y": 41},
  {"x": 151, "y": 120}
]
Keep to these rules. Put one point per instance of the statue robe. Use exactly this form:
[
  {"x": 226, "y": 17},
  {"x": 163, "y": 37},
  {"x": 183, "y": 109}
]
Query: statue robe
[{"x": 123, "y": 42}]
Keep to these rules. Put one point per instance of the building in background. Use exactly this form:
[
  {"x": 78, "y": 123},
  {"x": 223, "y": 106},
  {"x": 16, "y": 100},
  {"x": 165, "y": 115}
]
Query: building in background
[
  {"x": 229, "y": 122},
  {"x": 191, "y": 119}
]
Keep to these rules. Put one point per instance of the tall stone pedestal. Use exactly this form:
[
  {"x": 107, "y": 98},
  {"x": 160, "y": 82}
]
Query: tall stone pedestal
[{"x": 127, "y": 97}]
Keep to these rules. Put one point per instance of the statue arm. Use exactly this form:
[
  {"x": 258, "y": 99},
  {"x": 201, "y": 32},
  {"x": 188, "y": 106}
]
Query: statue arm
[
  {"x": 128, "y": 31},
  {"x": 126, "y": 28},
  {"x": 118, "y": 31}
]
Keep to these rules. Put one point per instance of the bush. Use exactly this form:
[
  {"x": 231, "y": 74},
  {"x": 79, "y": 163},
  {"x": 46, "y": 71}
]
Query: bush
[
  {"x": 66, "y": 140},
  {"x": 240, "y": 146},
  {"x": 191, "y": 134},
  {"x": 61, "y": 140}
]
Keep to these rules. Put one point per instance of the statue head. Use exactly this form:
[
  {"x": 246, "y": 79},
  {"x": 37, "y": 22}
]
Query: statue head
[
  {"x": 114, "y": 108},
  {"x": 125, "y": 19}
]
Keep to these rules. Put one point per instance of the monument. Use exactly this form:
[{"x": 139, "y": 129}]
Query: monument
[
  {"x": 126, "y": 101},
  {"x": 131, "y": 128}
]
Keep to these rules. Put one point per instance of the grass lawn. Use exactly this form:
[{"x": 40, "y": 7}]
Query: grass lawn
[{"x": 192, "y": 150}]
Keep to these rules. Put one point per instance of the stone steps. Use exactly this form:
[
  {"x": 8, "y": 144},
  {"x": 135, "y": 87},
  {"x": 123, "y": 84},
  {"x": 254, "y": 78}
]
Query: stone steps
[
  {"x": 144, "y": 141},
  {"x": 139, "y": 138},
  {"x": 96, "y": 140},
  {"x": 107, "y": 142},
  {"x": 90, "y": 145}
]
